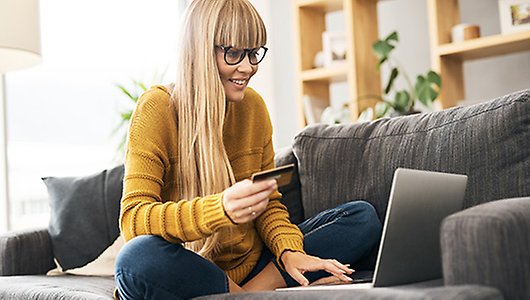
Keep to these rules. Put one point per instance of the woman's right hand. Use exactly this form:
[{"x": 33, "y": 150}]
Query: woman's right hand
[{"x": 246, "y": 200}]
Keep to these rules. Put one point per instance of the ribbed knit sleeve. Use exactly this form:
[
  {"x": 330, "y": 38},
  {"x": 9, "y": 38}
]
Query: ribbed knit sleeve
[
  {"x": 274, "y": 226},
  {"x": 152, "y": 133}
]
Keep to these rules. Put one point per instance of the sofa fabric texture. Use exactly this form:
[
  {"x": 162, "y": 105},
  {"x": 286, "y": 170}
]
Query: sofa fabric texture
[
  {"x": 84, "y": 215},
  {"x": 101, "y": 288},
  {"x": 489, "y": 142},
  {"x": 26, "y": 253},
  {"x": 69, "y": 287},
  {"x": 501, "y": 229},
  {"x": 398, "y": 293}
]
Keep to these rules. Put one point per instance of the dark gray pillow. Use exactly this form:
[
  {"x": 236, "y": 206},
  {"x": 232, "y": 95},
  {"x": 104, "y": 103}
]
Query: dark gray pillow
[
  {"x": 84, "y": 215},
  {"x": 291, "y": 192}
]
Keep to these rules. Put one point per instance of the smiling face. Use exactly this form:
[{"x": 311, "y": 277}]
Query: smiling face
[{"x": 235, "y": 78}]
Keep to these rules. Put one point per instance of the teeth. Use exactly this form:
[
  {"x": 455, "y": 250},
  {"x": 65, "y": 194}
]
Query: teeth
[{"x": 239, "y": 82}]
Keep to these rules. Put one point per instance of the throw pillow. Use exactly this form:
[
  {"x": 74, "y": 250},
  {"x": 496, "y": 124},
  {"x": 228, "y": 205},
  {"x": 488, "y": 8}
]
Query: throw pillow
[
  {"x": 101, "y": 266},
  {"x": 84, "y": 214}
]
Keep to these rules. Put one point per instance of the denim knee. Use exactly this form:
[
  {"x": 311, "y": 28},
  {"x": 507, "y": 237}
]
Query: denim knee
[
  {"x": 148, "y": 267},
  {"x": 366, "y": 218},
  {"x": 133, "y": 247},
  {"x": 135, "y": 270},
  {"x": 135, "y": 251}
]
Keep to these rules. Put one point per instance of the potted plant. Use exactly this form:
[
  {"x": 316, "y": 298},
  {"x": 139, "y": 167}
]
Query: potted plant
[
  {"x": 132, "y": 93},
  {"x": 394, "y": 101}
]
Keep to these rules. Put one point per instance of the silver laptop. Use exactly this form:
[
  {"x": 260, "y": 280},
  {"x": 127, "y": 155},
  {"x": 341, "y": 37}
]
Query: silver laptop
[{"x": 410, "y": 244}]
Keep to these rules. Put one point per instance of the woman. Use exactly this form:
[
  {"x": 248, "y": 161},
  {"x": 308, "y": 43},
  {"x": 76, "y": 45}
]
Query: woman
[{"x": 195, "y": 224}]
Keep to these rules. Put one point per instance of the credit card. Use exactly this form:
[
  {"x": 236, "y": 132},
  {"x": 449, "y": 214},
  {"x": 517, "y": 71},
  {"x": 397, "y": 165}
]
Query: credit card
[{"x": 282, "y": 174}]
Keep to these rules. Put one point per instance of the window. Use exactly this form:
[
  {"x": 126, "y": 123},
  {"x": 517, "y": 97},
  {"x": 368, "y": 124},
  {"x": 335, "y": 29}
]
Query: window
[{"x": 61, "y": 113}]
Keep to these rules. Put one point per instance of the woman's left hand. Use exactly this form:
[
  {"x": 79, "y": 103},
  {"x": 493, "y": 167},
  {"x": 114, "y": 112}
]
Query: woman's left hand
[{"x": 297, "y": 263}]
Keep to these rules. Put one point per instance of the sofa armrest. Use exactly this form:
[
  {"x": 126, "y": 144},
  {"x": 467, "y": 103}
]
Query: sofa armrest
[
  {"x": 291, "y": 193},
  {"x": 26, "y": 253},
  {"x": 488, "y": 245}
]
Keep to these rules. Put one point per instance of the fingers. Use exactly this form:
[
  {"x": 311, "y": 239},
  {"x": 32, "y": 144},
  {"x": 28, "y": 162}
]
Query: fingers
[
  {"x": 296, "y": 264},
  {"x": 330, "y": 267},
  {"x": 242, "y": 207},
  {"x": 345, "y": 267},
  {"x": 333, "y": 267},
  {"x": 246, "y": 188},
  {"x": 256, "y": 203},
  {"x": 250, "y": 213},
  {"x": 298, "y": 276},
  {"x": 254, "y": 199}
]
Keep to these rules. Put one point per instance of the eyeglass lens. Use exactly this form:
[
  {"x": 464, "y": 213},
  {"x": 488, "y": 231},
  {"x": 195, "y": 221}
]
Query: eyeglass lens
[{"x": 234, "y": 56}]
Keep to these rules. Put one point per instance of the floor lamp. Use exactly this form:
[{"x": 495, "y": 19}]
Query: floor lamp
[{"x": 19, "y": 48}]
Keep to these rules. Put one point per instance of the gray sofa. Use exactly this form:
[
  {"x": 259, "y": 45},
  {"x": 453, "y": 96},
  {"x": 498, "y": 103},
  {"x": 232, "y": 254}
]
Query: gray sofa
[{"x": 485, "y": 247}]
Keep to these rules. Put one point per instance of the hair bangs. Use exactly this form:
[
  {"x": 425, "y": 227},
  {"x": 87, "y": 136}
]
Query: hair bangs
[{"x": 240, "y": 26}]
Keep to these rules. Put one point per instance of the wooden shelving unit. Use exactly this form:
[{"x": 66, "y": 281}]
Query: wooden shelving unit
[
  {"x": 448, "y": 58},
  {"x": 326, "y": 74},
  {"x": 487, "y": 46},
  {"x": 359, "y": 71}
]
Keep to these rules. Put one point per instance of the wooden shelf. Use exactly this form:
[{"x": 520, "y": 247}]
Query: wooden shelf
[
  {"x": 324, "y": 5},
  {"x": 358, "y": 72},
  {"x": 487, "y": 46},
  {"x": 448, "y": 58},
  {"x": 338, "y": 73}
]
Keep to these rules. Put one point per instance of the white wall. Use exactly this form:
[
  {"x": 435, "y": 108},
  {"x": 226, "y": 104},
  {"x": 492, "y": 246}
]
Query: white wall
[
  {"x": 484, "y": 79},
  {"x": 263, "y": 82},
  {"x": 492, "y": 77},
  {"x": 282, "y": 34}
]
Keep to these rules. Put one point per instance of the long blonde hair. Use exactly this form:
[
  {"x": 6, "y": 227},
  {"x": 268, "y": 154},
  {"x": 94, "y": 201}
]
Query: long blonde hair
[{"x": 199, "y": 98}]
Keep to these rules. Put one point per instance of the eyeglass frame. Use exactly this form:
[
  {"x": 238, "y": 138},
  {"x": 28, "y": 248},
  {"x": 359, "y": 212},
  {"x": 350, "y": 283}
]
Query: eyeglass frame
[{"x": 246, "y": 52}]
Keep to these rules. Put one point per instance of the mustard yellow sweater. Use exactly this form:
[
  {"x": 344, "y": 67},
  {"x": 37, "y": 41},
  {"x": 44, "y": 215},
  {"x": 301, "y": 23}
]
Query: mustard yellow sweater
[{"x": 147, "y": 206}]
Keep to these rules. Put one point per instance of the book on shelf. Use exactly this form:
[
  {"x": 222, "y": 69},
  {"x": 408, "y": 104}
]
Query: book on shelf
[{"x": 313, "y": 108}]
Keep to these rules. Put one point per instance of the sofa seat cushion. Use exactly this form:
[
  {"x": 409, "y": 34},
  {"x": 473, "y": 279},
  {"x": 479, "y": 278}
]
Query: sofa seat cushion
[
  {"x": 406, "y": 293},
  {"x": 56, "y": 287},
  {"x": 101, "y": 288},
  {"x": 489, "y": 142}
]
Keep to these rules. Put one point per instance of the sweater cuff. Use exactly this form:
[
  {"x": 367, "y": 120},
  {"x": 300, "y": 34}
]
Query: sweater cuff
[
  {"x": 214, "y": 213},
  {"x": 287, "y": 245}
]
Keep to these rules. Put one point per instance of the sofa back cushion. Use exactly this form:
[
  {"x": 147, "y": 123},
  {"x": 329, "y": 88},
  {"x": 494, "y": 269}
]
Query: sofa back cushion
[{"x": 490, "y": 142}]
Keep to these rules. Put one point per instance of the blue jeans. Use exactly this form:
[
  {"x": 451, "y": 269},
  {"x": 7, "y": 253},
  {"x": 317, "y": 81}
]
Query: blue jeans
[{"x": 148, "y": 267}]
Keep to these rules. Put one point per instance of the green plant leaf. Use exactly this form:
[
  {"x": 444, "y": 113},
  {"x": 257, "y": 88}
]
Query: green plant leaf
[
  {"x": 381, "y": 50},
  {"x": 126, "y": 116},
  {"x": 393, "y": 75},
  {"x": 434, "y": 78},
  {"x": 402, "y": 102},
  {"x": 125, "y": 91},
  {"x": 380, "y": 62},
  {"x": 393, "y": 36},
  {"x": 140, "y": 84},
  {"x": 381, "y": 109},
  {"x": 427, "y": 87}
]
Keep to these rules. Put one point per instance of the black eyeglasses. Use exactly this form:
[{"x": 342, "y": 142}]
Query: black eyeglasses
[{"x": 233, "y": 56}]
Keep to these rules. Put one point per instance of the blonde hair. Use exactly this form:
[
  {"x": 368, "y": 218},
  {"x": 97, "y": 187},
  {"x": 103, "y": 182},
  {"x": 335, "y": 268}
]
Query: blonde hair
[{"x": 199, "y": 98}]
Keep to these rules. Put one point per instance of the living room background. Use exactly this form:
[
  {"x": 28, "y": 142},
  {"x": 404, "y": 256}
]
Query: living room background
[
  {"x": 484, "y": 78},
  {"x": 61, "y": 113}
]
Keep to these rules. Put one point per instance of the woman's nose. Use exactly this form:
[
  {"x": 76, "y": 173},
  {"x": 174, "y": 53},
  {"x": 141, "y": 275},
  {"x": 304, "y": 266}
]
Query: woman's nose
[{"x": 245, "y": 66}]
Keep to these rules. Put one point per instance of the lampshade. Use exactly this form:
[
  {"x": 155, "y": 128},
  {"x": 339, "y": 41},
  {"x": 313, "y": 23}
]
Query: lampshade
[{"x": 19, "y": 34}]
